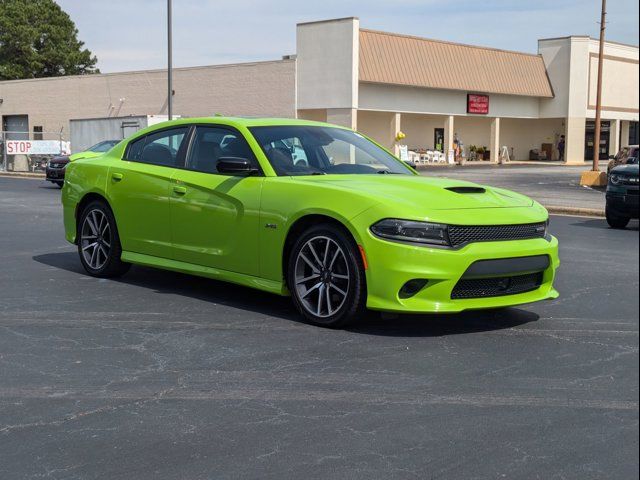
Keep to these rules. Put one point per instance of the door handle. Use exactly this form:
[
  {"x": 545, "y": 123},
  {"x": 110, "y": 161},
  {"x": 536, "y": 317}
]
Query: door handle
[
  {"x": 179, "y": 190},
  {"x": 116, "y": 177}
]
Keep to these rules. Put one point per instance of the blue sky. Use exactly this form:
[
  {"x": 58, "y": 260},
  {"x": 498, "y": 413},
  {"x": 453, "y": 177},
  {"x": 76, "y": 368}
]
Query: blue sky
[{"x": 131, "y": 34}]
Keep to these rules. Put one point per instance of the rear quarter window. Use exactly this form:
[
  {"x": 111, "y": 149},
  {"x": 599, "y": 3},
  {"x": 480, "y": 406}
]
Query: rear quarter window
[{"x": 134, "y": 150}]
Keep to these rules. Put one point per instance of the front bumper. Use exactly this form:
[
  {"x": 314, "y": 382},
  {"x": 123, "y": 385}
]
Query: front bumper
[
  {"x": 54, "y": 174},
  {"x": 391, "y": 265}
]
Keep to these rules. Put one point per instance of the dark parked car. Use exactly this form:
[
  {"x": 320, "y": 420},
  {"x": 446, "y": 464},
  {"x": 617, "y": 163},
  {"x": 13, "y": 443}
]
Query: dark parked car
[
  {"x": 56, "y": 166},
  {"x": 622, "y": 195}
]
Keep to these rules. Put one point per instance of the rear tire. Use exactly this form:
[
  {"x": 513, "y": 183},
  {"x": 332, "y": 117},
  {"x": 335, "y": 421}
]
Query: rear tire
[
  {"x": 98, "y": 242},
  {"x": 616, "y": 221},
  {"x": 326, "y": 277}
]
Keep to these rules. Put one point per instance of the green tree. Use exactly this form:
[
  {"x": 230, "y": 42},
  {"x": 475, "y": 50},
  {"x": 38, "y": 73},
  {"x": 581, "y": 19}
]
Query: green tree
[{"x": 38, "y": 39}]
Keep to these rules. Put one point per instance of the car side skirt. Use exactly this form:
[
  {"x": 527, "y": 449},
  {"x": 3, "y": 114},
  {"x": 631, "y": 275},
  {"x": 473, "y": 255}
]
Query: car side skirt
[{"x": 258, "y": 283}]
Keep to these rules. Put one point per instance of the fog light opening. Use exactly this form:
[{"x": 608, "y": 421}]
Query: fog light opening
[{"x": 412, "y": 287}]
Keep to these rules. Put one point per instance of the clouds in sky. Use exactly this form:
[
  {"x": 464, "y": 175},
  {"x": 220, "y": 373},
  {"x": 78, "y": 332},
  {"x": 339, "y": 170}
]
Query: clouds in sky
[{"x": 131, "y": 34}]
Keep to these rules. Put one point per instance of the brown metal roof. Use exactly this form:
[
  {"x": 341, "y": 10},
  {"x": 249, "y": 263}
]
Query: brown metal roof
[{"x": 420, "y": 62}]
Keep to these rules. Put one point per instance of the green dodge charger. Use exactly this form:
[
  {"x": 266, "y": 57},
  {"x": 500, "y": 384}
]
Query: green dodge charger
[{"x": 310, "y": 210}]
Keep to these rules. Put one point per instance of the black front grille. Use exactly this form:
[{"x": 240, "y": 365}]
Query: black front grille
[
  {"x": 496, "y": 286},
  {"x": 461, "y": 235},
  {"x": 57, "y": 165}
]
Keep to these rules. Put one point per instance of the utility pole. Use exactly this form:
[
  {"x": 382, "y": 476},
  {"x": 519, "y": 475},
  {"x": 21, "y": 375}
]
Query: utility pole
[
  {"x": 169, "y": 63},
  {"x": 596, "y": 142}
]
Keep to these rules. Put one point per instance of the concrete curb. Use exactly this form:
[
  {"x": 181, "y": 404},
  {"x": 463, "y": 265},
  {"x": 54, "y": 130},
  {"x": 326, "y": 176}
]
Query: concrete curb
[
  {"x": 23, "y": 175},
  {"x": 580, "y": 212}
]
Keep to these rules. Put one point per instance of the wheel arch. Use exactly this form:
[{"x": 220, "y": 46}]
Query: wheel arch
[
  {"x": 84, "y": 201},
  {"x": 305, "y": 221}
]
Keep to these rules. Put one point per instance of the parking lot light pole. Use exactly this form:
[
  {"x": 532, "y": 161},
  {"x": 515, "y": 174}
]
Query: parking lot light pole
[
  {"x": 169, "y": 64},
  {"x": 596, "y": 133}
]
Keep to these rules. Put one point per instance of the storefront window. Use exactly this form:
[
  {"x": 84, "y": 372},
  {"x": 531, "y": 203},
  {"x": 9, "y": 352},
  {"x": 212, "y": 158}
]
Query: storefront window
[{"x": 633, "y": 133}]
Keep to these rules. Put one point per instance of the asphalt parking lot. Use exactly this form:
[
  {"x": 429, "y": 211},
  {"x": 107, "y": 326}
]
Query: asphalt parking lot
[
  {"x": 162, "y": 375},
  {"x": 551, "y": 185}
]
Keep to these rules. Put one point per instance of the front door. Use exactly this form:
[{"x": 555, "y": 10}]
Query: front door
[
  {"x": 215, "y": 217},
  {"x": 438, "y": 139},
  {"x": 589, "y": 140},
  {"x": 139, "y": 191}
]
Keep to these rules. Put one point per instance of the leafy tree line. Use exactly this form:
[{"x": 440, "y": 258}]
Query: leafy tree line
[{"x": 38, "y": 39}]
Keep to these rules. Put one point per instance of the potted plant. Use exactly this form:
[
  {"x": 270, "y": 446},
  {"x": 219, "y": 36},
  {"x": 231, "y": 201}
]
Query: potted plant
[
  {"x": 480, "y": 153},
  {"x": 473, "y": 152}
]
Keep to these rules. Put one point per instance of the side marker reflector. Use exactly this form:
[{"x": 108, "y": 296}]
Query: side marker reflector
[{"x": 364, "y": 257}]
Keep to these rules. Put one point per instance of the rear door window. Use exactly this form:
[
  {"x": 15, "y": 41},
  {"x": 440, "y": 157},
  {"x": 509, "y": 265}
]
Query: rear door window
[{"x": 163, "y": 148}]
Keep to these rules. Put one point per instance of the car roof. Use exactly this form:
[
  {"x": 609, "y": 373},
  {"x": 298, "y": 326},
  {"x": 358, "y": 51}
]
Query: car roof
[
  {"x": 245, "y": 121},
  {"x": 236, "y": 122}
]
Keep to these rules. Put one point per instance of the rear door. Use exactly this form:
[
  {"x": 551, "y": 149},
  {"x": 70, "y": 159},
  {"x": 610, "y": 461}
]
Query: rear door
[
  {"x": 139, "y": 189},
  {"x": 215, "y": 217}
]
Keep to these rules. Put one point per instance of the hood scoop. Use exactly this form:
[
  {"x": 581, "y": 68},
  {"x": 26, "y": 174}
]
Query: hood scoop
[{"x": 466, "y": 190}]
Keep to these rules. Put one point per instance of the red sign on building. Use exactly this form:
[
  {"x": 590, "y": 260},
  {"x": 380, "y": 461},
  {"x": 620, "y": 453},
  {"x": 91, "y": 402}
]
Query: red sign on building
[{"x": 477, "y": 103}]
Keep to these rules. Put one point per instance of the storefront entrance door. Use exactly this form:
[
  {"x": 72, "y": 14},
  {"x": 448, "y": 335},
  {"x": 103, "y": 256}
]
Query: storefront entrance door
[
  {"x": 438, "y": 139},
  {"x": 604, "y": 140}
]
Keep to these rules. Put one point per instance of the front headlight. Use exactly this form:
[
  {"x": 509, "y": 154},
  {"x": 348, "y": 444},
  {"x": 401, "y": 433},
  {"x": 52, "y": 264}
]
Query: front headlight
[
  {"x": 615, "y": 179},
  {"x": 410, "y": 231}
]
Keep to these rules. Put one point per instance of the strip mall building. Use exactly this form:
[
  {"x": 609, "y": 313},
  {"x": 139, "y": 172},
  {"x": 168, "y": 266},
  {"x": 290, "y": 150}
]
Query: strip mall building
[{"x": 380, "y": 84}]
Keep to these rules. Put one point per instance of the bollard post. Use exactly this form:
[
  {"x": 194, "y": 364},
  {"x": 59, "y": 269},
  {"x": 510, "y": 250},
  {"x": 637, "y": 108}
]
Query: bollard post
[{"x": 4, "y": 151}]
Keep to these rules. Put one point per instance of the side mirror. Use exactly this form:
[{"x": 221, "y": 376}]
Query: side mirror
[{"x": 236, "y": 166}]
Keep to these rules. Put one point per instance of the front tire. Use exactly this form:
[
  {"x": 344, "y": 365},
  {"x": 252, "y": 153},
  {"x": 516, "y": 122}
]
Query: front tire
[
  {"x": 59, "y": 184},
  {"x": 616, "y": 221},
  {"x": 326, "y": 277},
  {"x": 98, "y": 242}
]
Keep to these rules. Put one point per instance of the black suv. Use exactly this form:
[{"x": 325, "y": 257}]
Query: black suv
[{"x": 622, "y": 195}]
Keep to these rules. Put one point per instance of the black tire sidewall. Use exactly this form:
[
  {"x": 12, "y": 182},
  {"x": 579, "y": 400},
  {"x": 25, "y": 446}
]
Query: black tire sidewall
[
  {"x": 616, "y": 221},
  {"x": 355, "y": 302},
  {"x": 113, "y": 266}
]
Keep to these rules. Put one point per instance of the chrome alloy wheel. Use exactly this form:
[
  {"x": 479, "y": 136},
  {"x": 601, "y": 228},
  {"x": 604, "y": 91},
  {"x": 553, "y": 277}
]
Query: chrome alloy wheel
[
  {"x": 95, "y": 239},
  {"x": 321, "y": 276}
]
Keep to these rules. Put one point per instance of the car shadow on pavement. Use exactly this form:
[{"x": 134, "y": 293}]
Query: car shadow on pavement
[
  {"x": 601, "y": 223},
  {"x": 437, "y": 325},
  {"x": 50, "y": 186},
  {"x": 243, "y": 298}
]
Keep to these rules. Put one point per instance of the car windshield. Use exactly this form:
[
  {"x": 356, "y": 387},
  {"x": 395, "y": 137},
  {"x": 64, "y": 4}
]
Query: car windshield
[
  {"x": 318, "y": 150},
  {"x": 104, "y": 146}
]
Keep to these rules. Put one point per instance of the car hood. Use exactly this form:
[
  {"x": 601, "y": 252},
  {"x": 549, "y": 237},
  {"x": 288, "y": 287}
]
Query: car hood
[
  {"x": 434, "y": 193},
  {"x": 60, "y": 159},
  {"x": 629, "y": 169}
]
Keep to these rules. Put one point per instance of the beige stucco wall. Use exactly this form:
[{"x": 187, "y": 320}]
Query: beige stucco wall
[
  {"x": 378, "y": 126},
  {"x": 396, "y": 98},
  {"x": 327, "y": 56},
  {"x": 620, "y": 81},
  {"x": 251, "y": 89},
  {"x": 523, "y": 134}
]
